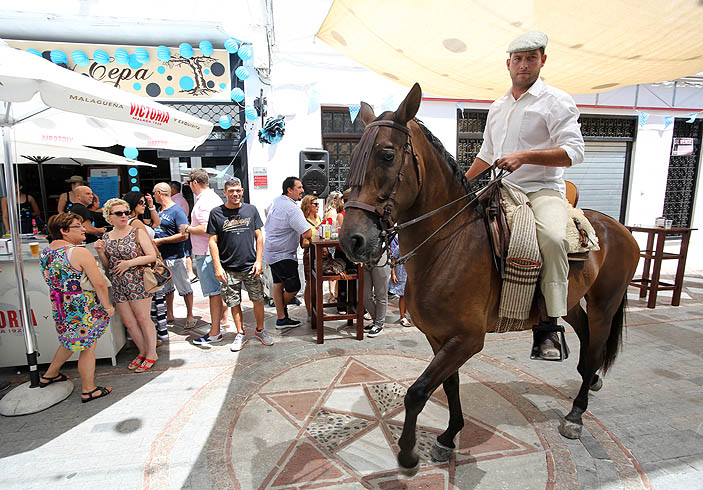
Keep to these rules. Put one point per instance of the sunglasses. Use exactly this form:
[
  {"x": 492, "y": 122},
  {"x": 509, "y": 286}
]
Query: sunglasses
[
  {"x": 76, "y": 226},
  {"x": 142, "y": 202},
  {"x": 120, "y": 213},
  {"x": 316, "y": 204}
]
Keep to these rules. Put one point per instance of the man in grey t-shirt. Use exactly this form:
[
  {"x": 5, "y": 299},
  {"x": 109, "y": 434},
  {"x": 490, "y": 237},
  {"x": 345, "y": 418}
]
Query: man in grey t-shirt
[{"x": 285, "y": 226}]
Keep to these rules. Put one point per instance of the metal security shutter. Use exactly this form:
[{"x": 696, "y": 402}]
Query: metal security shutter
[{"x": 601, "y": 176}]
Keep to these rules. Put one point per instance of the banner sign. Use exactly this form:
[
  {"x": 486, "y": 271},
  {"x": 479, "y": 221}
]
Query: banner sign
[{"x": 165, "y": 74}]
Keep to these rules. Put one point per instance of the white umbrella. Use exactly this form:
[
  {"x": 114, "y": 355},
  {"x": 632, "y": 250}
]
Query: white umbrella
[
  {"x": 45, "y": 103},
  {"x": 41, "y": 155}
]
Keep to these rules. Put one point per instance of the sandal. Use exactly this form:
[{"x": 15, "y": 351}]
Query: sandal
[
  {"x": 191, "y": 323},
  {"x": 136, "y": 363},
  {"x": 92, "y": 396},
  {"x": 55, "y": 379},
  {"x": 146, "y": 365},
  {"x": 405, "y": 322}
]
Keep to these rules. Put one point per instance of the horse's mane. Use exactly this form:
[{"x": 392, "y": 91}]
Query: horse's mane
[{"x": 446, "y": 156}]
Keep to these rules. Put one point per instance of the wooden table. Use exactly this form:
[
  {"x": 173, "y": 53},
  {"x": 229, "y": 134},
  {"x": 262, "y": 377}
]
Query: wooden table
[
  {"x": 656, "y": 253},
  {"x": 352, "y": 312}
]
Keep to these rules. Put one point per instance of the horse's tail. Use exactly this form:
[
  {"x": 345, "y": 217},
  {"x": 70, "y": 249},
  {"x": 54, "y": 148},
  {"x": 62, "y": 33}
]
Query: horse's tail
[{"x": 614, "y": 342}]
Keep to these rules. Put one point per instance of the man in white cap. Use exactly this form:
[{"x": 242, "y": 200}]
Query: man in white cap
[{"x": 533, "y": 131}]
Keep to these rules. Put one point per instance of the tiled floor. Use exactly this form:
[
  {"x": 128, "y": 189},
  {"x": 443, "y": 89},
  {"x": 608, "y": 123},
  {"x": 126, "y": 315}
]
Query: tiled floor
[{"x": 302, "y": 415}]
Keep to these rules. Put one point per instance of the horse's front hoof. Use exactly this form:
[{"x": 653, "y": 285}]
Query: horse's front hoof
[
  {"x": 597, "y": 384},
  {"x": 440, "y": 453},
  {"x": 570, "y": 430},
  {"x": 409, "y": 464}
]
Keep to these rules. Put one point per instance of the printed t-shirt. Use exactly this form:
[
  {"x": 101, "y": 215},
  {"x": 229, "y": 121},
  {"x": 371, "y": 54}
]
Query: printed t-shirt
[
  {"x": 171, "y": 220},
  {"x": 236, "y": 240}
]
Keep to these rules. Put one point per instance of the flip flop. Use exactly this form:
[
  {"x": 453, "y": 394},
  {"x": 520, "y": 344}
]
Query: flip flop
[
  {"x": 92, "y": 396},
  {"x": 146, "y": 365},
  {"x": 190, "y": 323},
  {"x": 55, "y": 379},
  {"x": 136, "y": 362}
]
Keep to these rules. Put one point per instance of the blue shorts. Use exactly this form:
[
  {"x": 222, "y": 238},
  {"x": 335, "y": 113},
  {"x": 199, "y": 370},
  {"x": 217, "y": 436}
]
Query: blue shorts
[{"x": 209, "y": 284}]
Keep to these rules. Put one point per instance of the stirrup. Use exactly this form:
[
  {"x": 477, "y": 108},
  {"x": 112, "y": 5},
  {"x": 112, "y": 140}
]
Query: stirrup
[{"x": 543, "y": 328}]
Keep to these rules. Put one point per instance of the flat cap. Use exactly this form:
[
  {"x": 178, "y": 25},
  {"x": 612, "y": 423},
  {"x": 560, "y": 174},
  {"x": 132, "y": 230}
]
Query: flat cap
[{"x": 528, "y": 41}]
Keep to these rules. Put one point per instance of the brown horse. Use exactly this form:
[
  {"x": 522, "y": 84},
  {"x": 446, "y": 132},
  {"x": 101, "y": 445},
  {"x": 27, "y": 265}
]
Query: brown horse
[{"x": 400, "y": 172}]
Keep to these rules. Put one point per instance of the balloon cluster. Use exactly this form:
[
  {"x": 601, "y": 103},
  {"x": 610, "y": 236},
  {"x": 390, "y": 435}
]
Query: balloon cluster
[{"x": 273, "y": 130}]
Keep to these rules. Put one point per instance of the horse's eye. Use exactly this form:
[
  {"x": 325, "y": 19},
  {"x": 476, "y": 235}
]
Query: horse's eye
[{"x": 387, "y": 155}]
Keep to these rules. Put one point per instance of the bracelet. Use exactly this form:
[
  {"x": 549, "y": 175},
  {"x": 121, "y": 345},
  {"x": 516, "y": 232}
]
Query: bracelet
[{"x": 153, "y": 208}]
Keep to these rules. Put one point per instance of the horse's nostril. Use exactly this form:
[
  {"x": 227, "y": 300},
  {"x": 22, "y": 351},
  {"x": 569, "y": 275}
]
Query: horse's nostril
[{"x": 357, "y": 242}]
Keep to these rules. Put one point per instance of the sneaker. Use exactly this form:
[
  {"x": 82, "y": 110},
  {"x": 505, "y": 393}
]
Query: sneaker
[
  {"x": 264, "y": 336},
  {"x": 368, "y": 326},
  {"x": 375, "y": 331},
  {"x": 287, "y": 323},
  {"x": 208, "y": 339},
  {"x": 239, "y": 340},
  {"x": 367, "y": 316}
]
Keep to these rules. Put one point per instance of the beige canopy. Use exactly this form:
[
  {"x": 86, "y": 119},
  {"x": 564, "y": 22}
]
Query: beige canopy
[{"x": 456, "y": 48}]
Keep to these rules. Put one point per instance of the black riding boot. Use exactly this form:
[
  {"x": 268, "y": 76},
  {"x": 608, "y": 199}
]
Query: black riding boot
[{"x": 549, "y": 343}]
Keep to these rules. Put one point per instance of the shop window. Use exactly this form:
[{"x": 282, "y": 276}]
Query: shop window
[{"x": 339, "y": 137}]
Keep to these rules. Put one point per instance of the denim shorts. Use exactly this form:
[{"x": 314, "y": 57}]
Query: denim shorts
[{"x": 209, "y": 284}]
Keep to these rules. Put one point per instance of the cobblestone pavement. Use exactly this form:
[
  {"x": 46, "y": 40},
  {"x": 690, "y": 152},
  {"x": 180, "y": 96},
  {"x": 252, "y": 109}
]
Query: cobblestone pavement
[{"x": 302, "y": 415}]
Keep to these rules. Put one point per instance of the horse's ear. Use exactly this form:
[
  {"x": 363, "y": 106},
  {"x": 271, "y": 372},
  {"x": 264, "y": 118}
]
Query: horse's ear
[
  {"x": 408, "y": 108},
  {"x": 366, "y": 113}
]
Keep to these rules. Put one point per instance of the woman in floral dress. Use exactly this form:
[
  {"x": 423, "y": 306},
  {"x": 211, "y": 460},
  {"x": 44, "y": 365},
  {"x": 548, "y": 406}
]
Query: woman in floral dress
[
  {"x": 124, "y": 252},
  {"x": 81, "y": 317}
]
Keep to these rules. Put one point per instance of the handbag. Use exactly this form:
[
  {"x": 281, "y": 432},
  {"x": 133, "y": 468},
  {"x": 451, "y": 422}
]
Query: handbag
[
  {"x": 86, "y": 285},
  {"x": 156, "y": 273}
]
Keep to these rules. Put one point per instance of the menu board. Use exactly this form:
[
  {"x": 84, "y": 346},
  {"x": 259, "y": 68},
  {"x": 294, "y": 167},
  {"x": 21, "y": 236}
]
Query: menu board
[{"x": 105, "y": 183}]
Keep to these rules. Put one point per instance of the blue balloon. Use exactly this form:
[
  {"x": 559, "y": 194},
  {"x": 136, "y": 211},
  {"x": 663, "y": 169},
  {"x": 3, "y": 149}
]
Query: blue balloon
[
  {"x": 242, "y": 72},
  {"x": 186, "y": 50},
  {"x": 246, "y": 51},
  {"x": 237, "y": 94},
  {"x": 135, "y": 188},
  {"x": 206, "y": 48},
  {"x": 250, "y": 113},
  {"x": 101, "y": 57},
  {"x": 133, "y": 171},
  {"x": 163, "y": 53},
  {"x": 130, "y": 152},
  {"x": 225, "y": 122},
  {"x": 80, "y": 58},
  {"x": 58, "y": 56},
  {"x": 34, "y": 51},
  {"x": 121, "y": 56},
  {"x": 231, "y": 46},
  {"x": 142, "y": 55}
]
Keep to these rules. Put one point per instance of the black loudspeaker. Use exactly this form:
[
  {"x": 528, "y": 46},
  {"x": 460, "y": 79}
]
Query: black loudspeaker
[{"x": 314, "y": 172}]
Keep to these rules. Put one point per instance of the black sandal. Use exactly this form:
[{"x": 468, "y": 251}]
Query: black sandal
[
  {"x": 103, "y": 392},
  {"x": 55, "y": 379}
]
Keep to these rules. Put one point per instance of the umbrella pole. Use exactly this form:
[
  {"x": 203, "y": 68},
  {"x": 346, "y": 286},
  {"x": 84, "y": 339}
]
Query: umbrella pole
[
  {"x": 13, "y": 218},
  {"x": 42, "y": 185}
]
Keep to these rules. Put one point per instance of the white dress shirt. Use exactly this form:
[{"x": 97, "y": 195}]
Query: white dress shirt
[{"x": 543, "y": 117}]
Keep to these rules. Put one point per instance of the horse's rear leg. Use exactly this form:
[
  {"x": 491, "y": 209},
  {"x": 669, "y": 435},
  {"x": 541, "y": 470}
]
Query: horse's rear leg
[
  {"x": 450, "y": 357},
  {"x": 592, "y": 333},
  {"x": 444, "y": 446}
]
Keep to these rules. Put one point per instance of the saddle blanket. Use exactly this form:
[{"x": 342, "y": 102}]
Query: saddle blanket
[{"x": 579, "y": 231}]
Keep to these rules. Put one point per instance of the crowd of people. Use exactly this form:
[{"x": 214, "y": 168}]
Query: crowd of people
[{"x": 224, "y": 239}]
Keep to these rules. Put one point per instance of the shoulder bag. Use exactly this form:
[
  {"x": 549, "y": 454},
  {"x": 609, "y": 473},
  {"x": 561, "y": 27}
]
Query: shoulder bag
[{"x": 156, "y": 273}]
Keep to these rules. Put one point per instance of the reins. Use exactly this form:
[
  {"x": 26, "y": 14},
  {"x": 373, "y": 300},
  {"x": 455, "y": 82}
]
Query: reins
[{"x": 389, "y": 229}]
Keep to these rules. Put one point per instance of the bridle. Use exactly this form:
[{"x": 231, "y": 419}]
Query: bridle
[{"x": 389, "y": 229}]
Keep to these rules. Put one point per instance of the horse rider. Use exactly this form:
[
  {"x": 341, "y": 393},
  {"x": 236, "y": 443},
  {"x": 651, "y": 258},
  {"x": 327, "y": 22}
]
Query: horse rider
[{"x": 533, "y": 132}]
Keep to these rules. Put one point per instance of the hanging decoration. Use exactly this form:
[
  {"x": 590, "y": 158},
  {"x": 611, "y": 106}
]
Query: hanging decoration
[
  {"x": 163, "y": 53},
  {"x": 250, "y": 113},
  {"x": 242, "y": 73},
  {"x": 80, "y": 58},
  {"x": 354, "y": 111},
  {"x": 273, "y": 130},
  {"x": 314, "y": 101},
  {"x": 141, "y": 55},
  {"x": 692, "y": 117},
  {"x": 246, "y": 52},
  {"x": 388, "y": 104},
  {"x": 667, "y": 121},
  {"x": 122, "y": 56},
  {"x": 186, "y": 50},
  {"x": 206, "y": 48},
  {"x": 231, "y": 46},
  {"x": 101, "y": 57},
  {"x": 237, "y": 94},
  {"x": 59, "y": 57},
  {"x": 225, "y": 122},
  {"x": 34, "y": 51},
  {"x": 643, "y": 118},
  {"x": 130, "y": 152}
]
